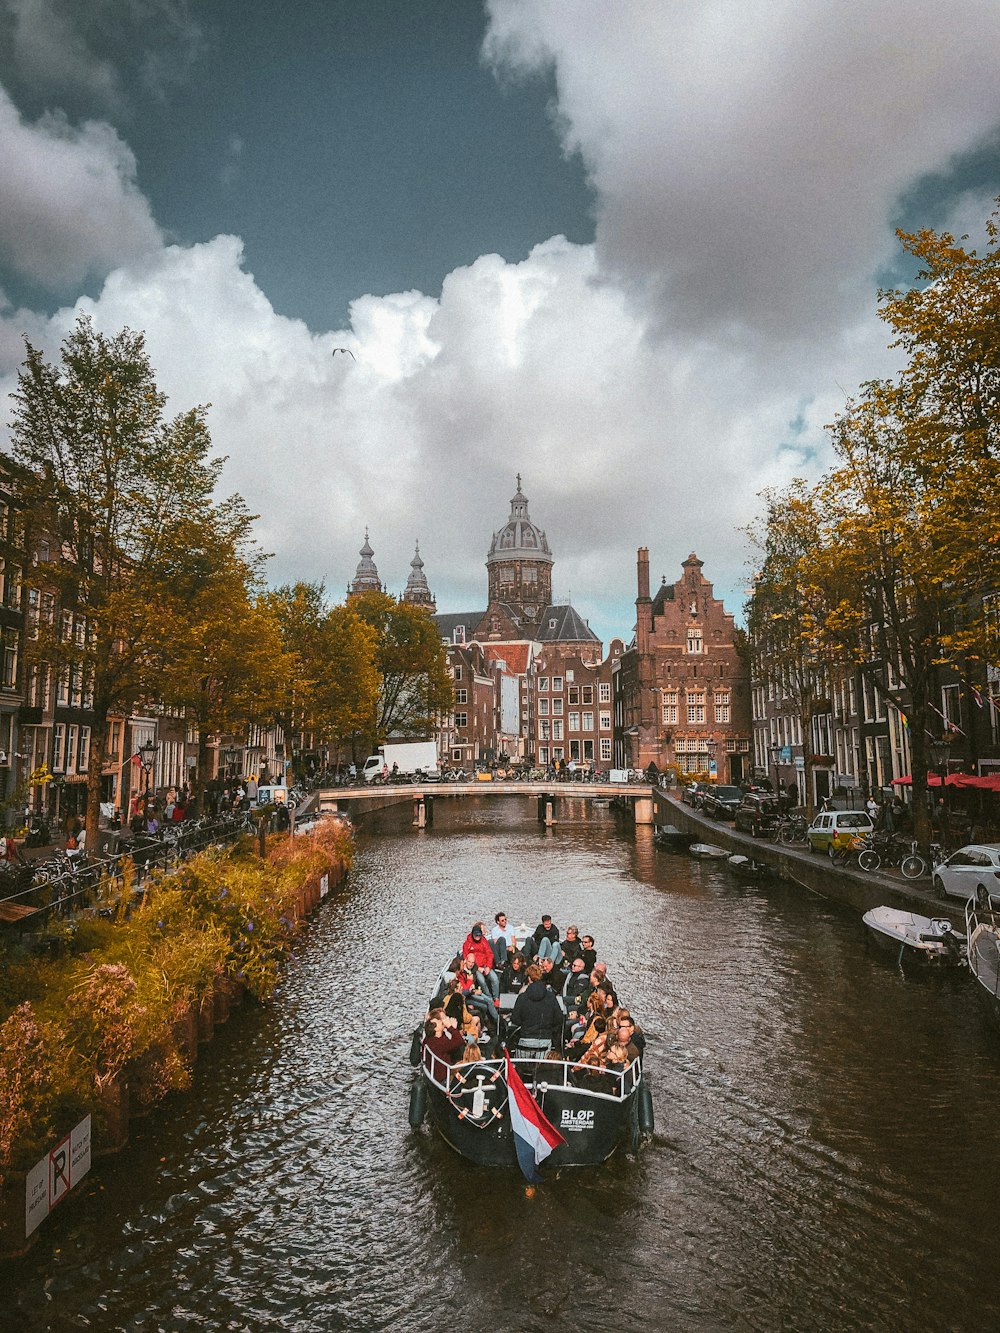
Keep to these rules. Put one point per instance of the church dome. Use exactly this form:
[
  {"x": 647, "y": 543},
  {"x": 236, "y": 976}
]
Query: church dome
[
  {"x": 519, "y": 539},
  {"x": 366, "y": 577},
  {"x": 417, "y": 591}
]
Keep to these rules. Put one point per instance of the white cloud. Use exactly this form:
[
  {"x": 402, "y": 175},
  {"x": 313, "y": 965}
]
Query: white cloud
[
  {"x": 69, "y": 204},
  {"x": 747, "y": 158},
  {"x": 50, "y": 52}
]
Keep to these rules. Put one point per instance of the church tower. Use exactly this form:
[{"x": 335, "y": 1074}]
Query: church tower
[
  {"x": 417, "y": 593},
  {"x": 519, "y": 565},
  {"x": 366, "y": 577}
]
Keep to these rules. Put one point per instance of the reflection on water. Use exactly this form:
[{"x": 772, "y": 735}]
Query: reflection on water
[{"x": 825, "y": 1147}]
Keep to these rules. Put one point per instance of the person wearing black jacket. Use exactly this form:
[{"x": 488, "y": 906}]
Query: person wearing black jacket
[
  {"x": 545, "y": 940},
  {"x": 571, "y": 946},
  {"x": 536, "y": 1010}
]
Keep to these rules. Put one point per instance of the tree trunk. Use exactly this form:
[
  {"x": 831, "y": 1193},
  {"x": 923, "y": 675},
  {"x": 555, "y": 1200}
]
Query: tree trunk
[
  {"x": 918, "y": 717},
  {"x": 95, "y": 766}
]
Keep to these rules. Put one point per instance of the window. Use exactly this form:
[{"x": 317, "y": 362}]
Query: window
[
  {"x": 587, "y": 722},
  {"x": 574, "y": 750},
  {"x": 529, "y": 574},
  {"x": 461, "y": 696},
  {"x": 557, "y": 752},
  {"x": 506, "y": 573},
  {"x": 588, "y": 751},
  {"x": 605, "y": 748},
  {"x": 587, "y": 697},
  {"x": 543, "y": 707},
  {"x": 557, "y": 707},
  {"x": 543, "y": 754},
  {"x": 722, "y": 706},
  {"x": 557, "y": 683},
  {"x": 83, "y": 751},
  {"x": 669, "y": 708},
  {"x": 456, "y": 755},
  {"x": 544, "y": 733},
  {"x": 461, "y": 719},
  {"x": 458, "y": 634},
  {"x": 457, "y": 673},
  {"x": 606, "y": 721},
  {"x": 9, "y": 666},
  {"x": 574, "y": 721},
  {"x": 557, "y": 730},
  {"x": 71, "y": 731},
  {"x": 604, "y": 690},
  {"x": 62, "y": 688},
  {"x": 543, "y": 684},
  {"x": 695, "y": 707},
  {"x": 574, "y": 694},
  {"x": 694, "y": 639},
  {"x": 58, "y": 743}
]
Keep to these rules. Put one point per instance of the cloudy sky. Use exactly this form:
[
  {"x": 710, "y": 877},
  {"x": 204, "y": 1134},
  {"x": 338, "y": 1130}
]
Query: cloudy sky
[{"x": 628, "y": 250}]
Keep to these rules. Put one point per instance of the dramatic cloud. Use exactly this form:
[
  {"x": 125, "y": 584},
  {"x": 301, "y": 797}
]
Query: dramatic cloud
[
  {"x": 69, "y": 204},
  {"x": 748, "y": 159}
]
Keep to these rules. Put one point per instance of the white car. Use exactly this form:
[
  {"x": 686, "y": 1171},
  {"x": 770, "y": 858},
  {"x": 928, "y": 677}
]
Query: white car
[{"x": 968, "y": 870}]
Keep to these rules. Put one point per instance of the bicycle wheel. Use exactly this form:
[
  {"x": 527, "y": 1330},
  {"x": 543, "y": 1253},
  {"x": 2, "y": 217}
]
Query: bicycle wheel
[
  {"x": 913, "y": 867},
  {"x": 786, "y": 835},
  {"x": 869, "y": 859}
]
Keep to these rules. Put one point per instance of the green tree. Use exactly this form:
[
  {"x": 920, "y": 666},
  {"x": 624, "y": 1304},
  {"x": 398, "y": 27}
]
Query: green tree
[
  {"x": 333, "y": 680},
  {"x": 415, "y": 687},
  {"x": 115, "y": 489}
]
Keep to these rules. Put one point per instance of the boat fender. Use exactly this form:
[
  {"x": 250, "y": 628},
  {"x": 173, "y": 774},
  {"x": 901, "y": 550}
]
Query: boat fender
[
  {"x": 415, "y": 1044},
  {"x": 645, "y": 1109},
  {"x": 418, "y": 1103}
]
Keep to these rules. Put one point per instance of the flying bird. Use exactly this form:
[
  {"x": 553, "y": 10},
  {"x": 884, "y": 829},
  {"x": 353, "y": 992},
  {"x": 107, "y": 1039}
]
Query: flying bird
[{"x": 346, "y": 350}]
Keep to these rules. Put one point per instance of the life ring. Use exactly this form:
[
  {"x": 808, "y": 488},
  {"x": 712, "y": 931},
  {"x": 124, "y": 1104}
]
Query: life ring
[{"x": 465, "y": 1081}]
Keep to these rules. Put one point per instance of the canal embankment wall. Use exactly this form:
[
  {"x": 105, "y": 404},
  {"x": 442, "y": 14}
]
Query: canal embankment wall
[{"x": 814, "y": 871}]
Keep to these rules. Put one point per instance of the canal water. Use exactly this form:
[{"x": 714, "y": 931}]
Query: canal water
[{"x": 825, "y": 1154}]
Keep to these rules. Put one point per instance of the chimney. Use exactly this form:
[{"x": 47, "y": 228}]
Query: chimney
[{"x": 643, "y": 572}]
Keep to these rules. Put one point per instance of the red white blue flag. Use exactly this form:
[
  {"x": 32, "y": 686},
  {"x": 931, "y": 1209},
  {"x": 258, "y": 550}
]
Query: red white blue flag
[{"x": 534, "y": 1136}]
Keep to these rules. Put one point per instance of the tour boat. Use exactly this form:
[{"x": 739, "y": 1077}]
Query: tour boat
[
  {"x": 594, "y": 1111},
  {"x": 930, "y": 941},
  {"x": 982, "y": 929}
]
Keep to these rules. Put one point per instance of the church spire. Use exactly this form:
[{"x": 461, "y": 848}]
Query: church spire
[
  {"x": 366, "y": 577},
  {"x": 417, "y": 592}
]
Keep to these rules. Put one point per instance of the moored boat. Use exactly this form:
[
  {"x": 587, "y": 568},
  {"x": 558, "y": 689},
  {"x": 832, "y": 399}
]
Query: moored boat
[
  {"x": 707, "y": 851},
  {"x": 909, "y": 937},
  {"x": 746, "y": 867},
  {"x": 982, "y": 929},
  {"x": 672, "y": 838}
]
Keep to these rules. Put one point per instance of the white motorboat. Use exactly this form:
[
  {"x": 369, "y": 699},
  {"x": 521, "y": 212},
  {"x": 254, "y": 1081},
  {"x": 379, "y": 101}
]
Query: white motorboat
[{"x": 930, "y": 941}]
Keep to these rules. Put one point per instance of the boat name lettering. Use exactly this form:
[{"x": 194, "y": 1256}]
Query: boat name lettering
[{"x": 577, "y": 1119}]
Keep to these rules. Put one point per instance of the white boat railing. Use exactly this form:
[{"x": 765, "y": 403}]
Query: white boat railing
[
  {"x": 542, "y": 1073},
  {"x": 982, "y": 927}
]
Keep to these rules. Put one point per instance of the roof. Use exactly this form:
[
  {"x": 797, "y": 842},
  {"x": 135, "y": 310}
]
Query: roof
[
  {"x": 569, "y": 626},
  {"x": 448, "y": 621},
  {"x": 517, "y": 656}
]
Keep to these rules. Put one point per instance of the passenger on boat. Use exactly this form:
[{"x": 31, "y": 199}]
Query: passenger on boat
[
  {"x": 593, "y": 1051},
  {"x": 481, "y": 950},
  {"x": 546, "y": 940},
  {"x": 617, "y": 1058},
  {"x": 471, "y": 983},
  {"x": 571, "y": 946},
  {"x": 515, "y": 974},
  {"x": 554, "y": 977},
  {"x": 589, "y": 953},
  {"x": 577, "y": 987},
  {"x": 443, "y": 1038},
  {"x": 471, "y": 1055},
  {"x": 536, "y": 1010},
  {"x": 629, "y": 1034},
  {"x": 502, "y": 939}
]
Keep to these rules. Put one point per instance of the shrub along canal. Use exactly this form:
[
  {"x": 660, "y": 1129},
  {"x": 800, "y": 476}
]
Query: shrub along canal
[{"x": 825, "y": 1154}]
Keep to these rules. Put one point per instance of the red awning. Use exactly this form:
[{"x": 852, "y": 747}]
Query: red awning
[{"x": 987, "y": 782}]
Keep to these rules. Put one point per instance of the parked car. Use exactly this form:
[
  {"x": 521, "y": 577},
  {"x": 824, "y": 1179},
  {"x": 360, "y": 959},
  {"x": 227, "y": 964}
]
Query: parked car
[
  {"x": 758, "y": 813},
  {"x": 833, "y": 829},
  {"x": 971, "y": 868},
  {"x": 721, "y": 802}
]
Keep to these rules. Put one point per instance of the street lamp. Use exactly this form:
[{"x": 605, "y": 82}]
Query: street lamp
[
  {"x": 147, "y": 757},
  {"x": 232, "y": 756},
  {"x": 939, "y": 749}
]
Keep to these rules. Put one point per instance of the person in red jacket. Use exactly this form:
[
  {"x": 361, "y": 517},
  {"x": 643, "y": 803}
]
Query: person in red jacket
[{"x": 480, "y": 948}]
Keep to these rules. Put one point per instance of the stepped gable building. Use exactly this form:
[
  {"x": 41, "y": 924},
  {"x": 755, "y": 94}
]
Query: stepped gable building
[
  {"x": 366, "y": 577},
  {"x": 417, "y": 591},
  {"x": 682, "y": 689}
]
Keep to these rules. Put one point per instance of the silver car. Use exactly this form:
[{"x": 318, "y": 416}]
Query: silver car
[{"x": 968, "y": 870}]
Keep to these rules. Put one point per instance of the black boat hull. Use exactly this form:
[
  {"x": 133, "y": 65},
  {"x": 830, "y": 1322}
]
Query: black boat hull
[{"x": 593, "y": 1127}]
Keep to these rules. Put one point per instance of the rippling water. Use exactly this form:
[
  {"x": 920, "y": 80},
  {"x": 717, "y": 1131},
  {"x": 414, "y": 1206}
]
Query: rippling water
[{"x": 825, "y": 1155}]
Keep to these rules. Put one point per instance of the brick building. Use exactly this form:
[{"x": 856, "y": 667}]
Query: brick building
[{"x": 682, "y": 688}]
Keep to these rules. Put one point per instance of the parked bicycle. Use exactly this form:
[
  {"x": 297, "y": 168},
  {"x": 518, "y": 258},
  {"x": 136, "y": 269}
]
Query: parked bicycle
[{"x": 792, "y": 829}]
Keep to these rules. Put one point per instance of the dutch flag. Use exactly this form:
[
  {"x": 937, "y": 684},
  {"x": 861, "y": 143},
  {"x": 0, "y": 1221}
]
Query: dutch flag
[{"x": 534, "y": 1136}]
